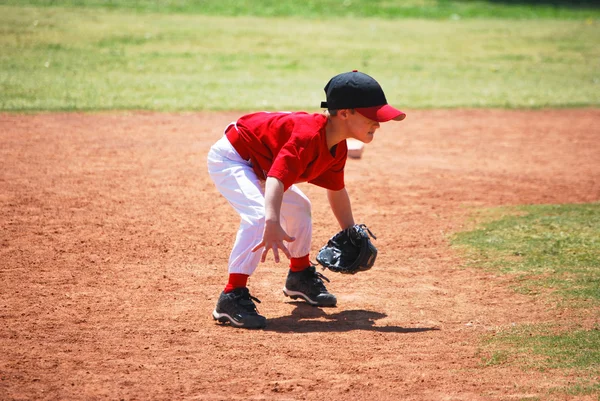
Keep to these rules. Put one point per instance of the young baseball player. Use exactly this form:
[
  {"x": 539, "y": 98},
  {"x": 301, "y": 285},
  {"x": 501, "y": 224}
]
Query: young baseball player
[{"x": 255, "y": 166}]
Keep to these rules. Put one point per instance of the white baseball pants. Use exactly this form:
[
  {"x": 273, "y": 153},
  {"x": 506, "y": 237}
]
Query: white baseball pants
[{"x": 237, "y": 182}]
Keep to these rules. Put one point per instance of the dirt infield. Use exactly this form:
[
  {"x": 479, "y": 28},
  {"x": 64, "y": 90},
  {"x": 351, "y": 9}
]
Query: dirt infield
[{"x": 114, "y": 244}]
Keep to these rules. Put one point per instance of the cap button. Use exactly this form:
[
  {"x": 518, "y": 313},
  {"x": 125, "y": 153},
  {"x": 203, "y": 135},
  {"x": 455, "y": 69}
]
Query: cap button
[{"x": 354, "y": 70}]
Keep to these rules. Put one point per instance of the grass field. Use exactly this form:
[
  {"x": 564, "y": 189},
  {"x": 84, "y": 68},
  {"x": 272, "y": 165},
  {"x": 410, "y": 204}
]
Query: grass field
[
  {"x": 552, "y": 247},
  {"x": 96, "y": 59},
  {"x": 333, "y": 9},
  {"x": 546, "y": 347}
]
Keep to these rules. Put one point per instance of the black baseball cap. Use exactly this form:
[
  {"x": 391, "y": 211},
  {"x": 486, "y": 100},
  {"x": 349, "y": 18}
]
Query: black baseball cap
[{"x": 359, "y": 91}]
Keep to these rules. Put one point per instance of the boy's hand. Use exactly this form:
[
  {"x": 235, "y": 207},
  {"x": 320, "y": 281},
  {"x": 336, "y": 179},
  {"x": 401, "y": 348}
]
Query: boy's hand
[{"x": 273, "y": 238}]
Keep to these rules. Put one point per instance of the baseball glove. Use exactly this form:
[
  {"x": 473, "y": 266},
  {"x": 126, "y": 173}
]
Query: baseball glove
[{"x": 350, "y": 251}]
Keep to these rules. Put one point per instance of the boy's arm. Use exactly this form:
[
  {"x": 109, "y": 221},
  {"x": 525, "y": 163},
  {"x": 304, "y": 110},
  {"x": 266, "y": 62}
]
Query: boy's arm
[
  {"x": 341, "y": 207},
  {"x": 273, "y": 235}
]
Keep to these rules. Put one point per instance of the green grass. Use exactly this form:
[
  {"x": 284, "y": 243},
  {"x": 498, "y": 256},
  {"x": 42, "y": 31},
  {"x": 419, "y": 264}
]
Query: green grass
[
  {"x": 553, "y": 348},
  {"x": 96, "y": 59},
  {"x": 332, "y": 9},
  {"x": 549, "y": 348},
  {"x": 549, "y": 248},
  {"x": 554, "y": 252}
]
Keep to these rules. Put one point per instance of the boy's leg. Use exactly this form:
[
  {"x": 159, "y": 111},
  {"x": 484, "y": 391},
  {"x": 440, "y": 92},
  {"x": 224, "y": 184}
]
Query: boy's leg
[
  {"x": 303, "y": 281},
  {"x": 238, "y": 183},
  {"x": 296, "y": 220}
]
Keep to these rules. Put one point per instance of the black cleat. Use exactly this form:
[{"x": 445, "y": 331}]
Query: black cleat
[
  {"x": 308, "y": 285},
  {"x": 237, "y": 308}
]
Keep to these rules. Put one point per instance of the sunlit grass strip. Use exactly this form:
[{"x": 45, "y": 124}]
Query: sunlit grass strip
[
  {"x": 578, "y": 348},
  {"x": 333, "y": 9},
  {"x": 82, "y": 59},
  {"x": 547, "y": 348},
  {"x": 551, "y": 247}
]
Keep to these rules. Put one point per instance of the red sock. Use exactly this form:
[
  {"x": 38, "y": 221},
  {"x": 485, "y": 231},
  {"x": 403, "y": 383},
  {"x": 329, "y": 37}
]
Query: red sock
[
  {"x": 299, "y": 264},
  {"x": 236, "y": 280}
]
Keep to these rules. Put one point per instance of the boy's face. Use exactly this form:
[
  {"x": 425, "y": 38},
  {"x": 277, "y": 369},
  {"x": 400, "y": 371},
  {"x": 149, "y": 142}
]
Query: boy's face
[{"x": 361, "y": 127}]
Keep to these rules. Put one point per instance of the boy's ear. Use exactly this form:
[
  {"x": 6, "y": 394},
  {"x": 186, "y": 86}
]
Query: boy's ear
[{"x": 344, "y": 113}]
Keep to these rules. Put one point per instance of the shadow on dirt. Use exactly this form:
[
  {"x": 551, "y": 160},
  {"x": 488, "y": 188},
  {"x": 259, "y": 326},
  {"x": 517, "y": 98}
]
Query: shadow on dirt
[{"x": 307, "y": 319}]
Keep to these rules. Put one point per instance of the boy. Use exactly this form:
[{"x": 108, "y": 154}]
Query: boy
[{"x": 255, "y": 166}]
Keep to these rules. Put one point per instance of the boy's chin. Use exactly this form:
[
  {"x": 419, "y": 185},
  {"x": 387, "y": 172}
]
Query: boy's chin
[{"x": 368, "y": 138}]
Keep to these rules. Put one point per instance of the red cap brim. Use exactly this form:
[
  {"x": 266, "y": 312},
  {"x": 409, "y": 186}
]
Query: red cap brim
[{"x": 382, "y": 113}]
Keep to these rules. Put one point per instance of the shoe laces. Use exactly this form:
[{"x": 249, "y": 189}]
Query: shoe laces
[
  {"x": 317, "y": 277},
  {"x": 245, "y": 300}
]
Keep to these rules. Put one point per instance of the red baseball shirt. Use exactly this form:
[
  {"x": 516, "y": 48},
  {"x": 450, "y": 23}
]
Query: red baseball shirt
[{"x": 291, "y": 147}]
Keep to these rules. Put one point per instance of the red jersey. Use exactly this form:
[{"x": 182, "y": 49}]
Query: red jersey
[{"x": 291, "y": 147}]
